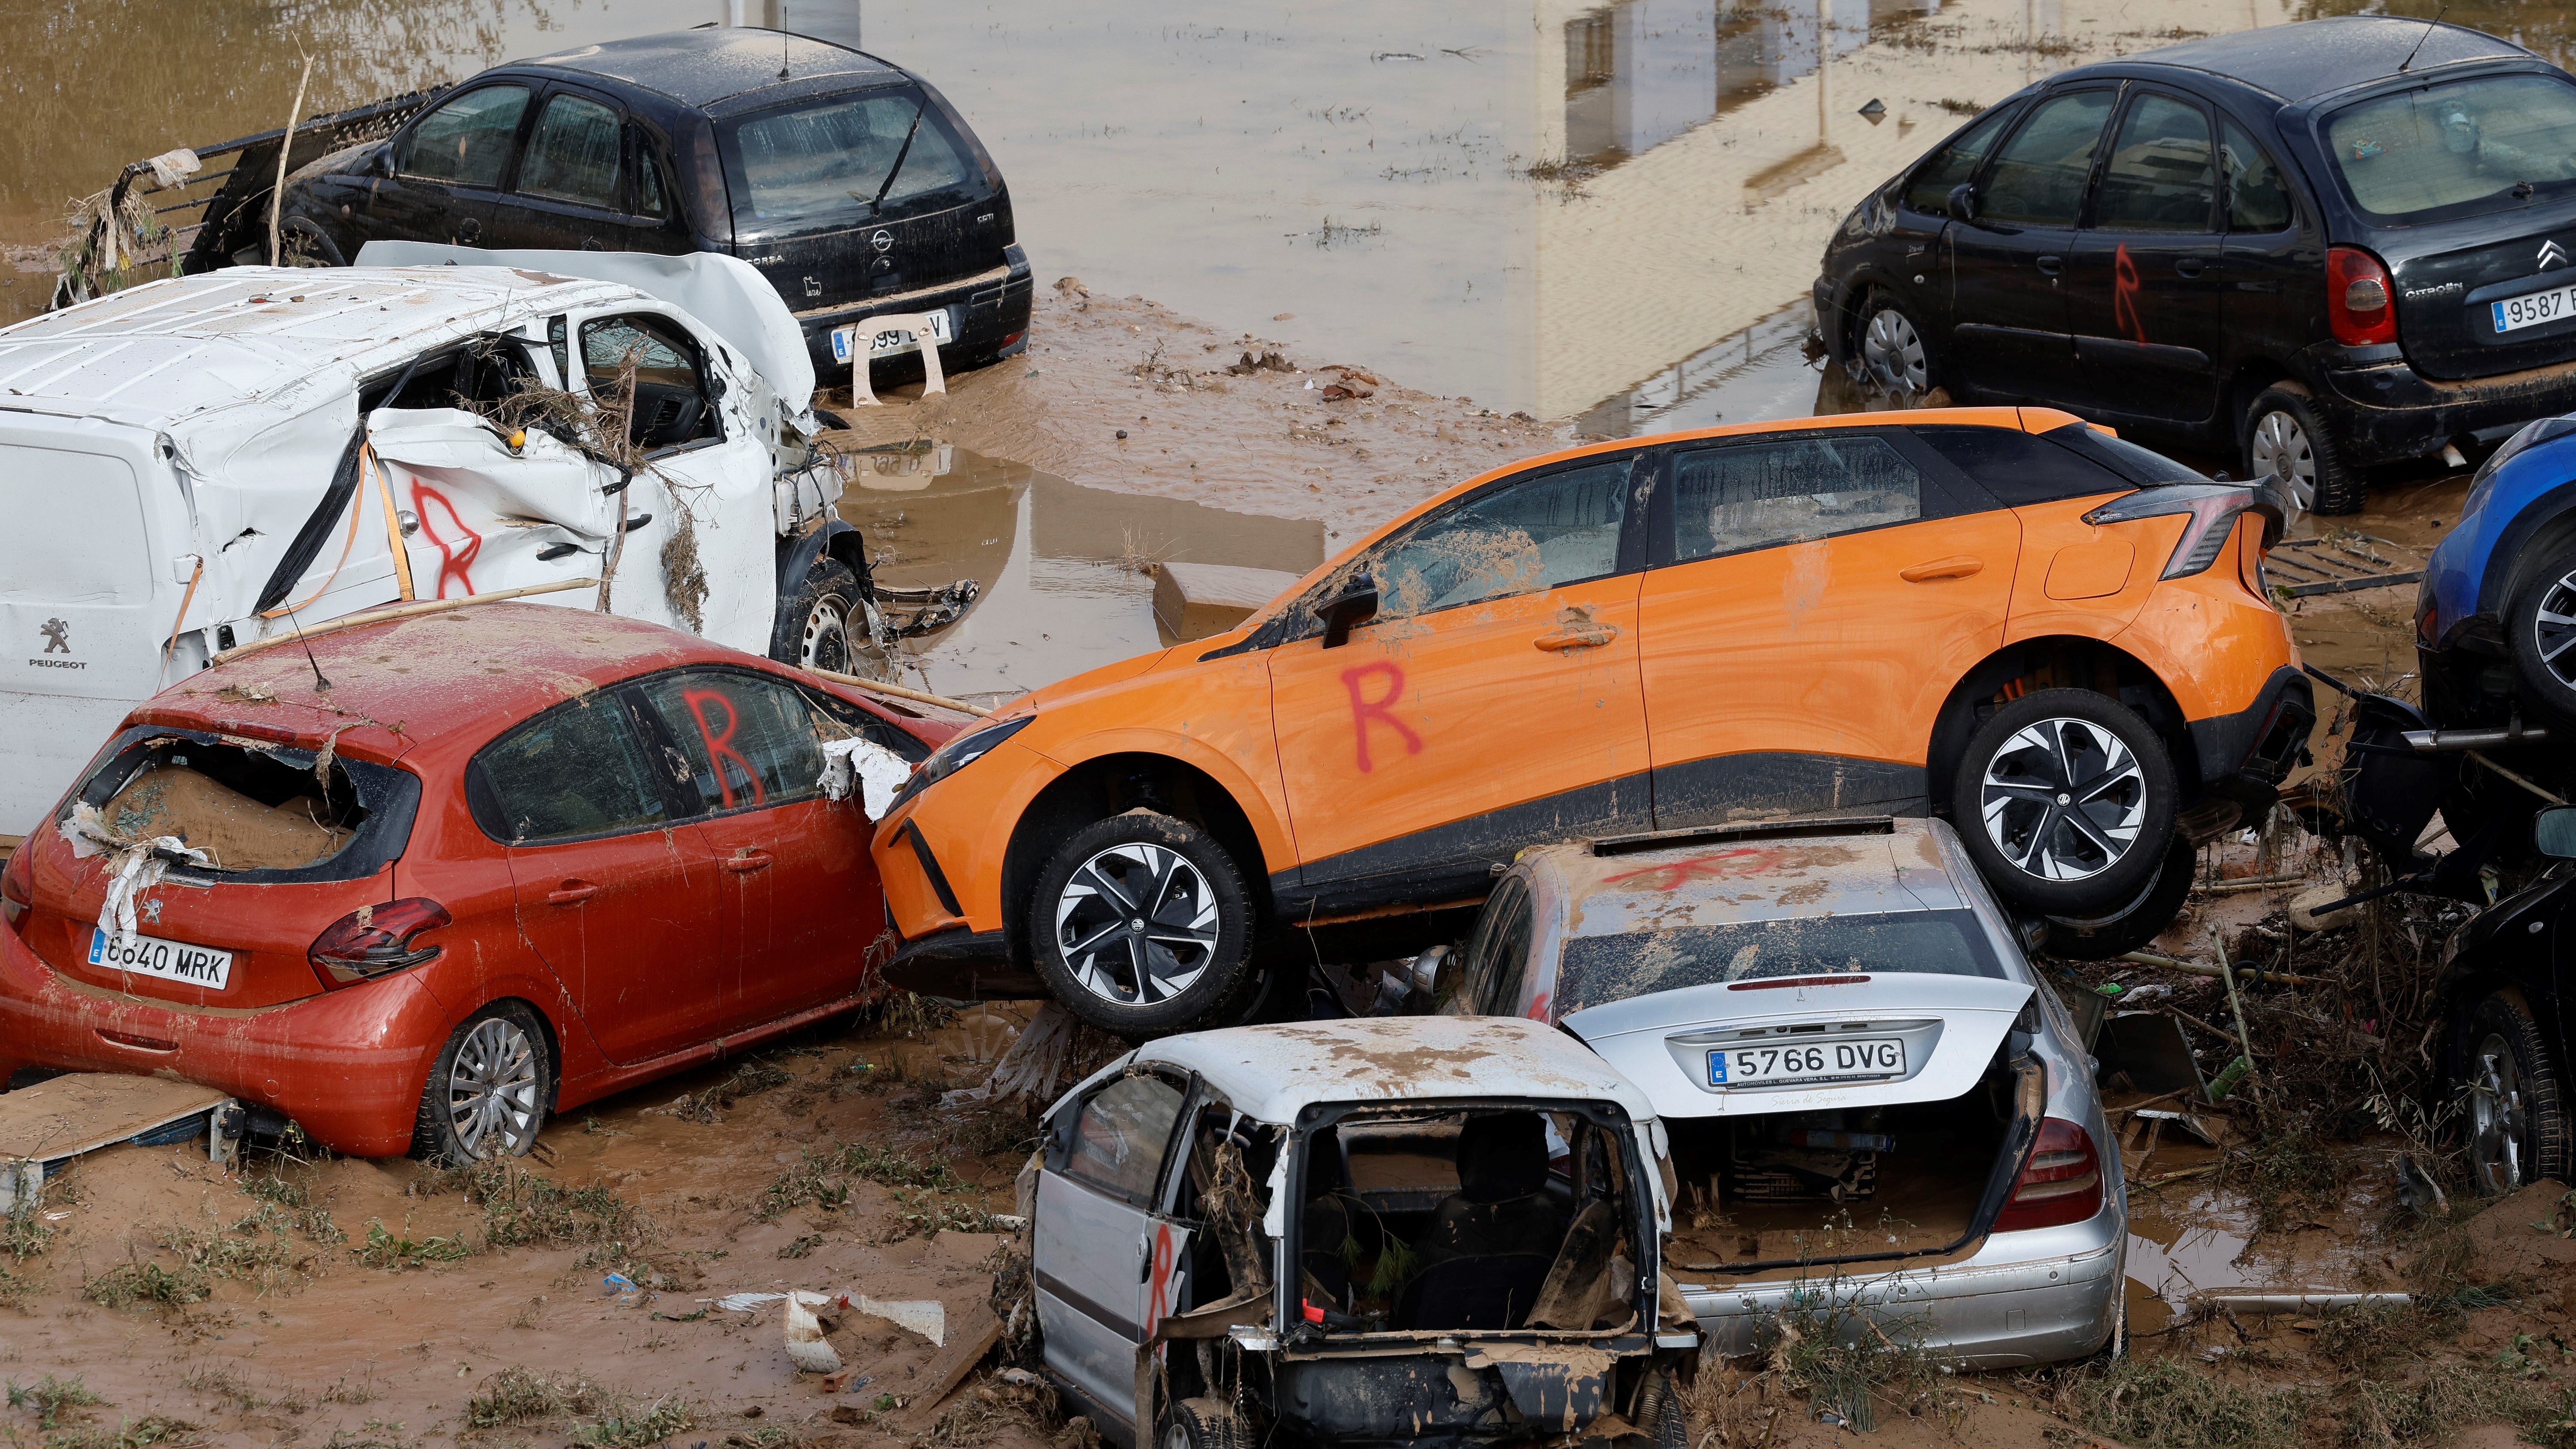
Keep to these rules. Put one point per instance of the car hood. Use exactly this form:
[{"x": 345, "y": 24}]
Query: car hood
[{"x": 1950, "y": 1026}]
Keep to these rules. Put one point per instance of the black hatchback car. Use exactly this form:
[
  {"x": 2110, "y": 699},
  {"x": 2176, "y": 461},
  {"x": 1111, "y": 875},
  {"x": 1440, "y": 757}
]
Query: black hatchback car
[
  {"x": 851, "y": 183},
  {"x": 2507, "y": 989},
  {"x": 2320, "y": 246}
]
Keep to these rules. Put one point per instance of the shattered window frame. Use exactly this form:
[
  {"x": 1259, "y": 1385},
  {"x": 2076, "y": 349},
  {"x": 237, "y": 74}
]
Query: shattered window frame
[
  {"x": 668, "y": 332},
  {"x": 389, "y": 794}
]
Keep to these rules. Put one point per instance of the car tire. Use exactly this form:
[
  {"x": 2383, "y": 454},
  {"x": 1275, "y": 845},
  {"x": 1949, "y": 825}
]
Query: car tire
[
  {"x": 2512, "y": 1109},
  {"x": 2116, "y": 933},
  {"x": 2544, "y": 651},
  {"x": 2287, "y": 444},
  {"x": 1894, "y": 348},
  {"x": 1175, "y": 952},
  {"x": 1661, "y": 1420},
  {"x": 814, "y": 627},
  {"x": 2038, "y": 846},
  {"x": 488, "y": 1090},
  {"x": 1202, "y": 1424}
]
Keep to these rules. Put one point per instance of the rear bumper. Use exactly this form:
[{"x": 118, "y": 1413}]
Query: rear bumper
[
  {"x": 2386, "y": 411},
  {"x": 2255, "y": 748},
  {"x": 346, "y": 1065},
  {"x": 991, "y": 316},
  {"x": 1992, "y": 1311}
]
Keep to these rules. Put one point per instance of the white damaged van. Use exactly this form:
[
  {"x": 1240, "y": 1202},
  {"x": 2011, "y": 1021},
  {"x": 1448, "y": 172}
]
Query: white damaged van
[{"x": 198, "y": 463}]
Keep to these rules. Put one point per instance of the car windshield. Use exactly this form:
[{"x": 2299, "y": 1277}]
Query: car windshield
[
  {"x": 2457, "y": 149},
  {"x": 1594, "y": 970},
  {"x": 839, "y": 161}
]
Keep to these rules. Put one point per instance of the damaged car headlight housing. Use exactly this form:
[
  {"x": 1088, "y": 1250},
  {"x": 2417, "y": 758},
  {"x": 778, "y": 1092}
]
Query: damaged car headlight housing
[
  {"x": 374, "y": 941},
  {"x": 2213, "y": 508},
  {"x": 960, "y": 751}
]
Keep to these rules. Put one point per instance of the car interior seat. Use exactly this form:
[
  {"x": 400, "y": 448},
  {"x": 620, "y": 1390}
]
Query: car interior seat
[{"x": 1491, "y": 1243}]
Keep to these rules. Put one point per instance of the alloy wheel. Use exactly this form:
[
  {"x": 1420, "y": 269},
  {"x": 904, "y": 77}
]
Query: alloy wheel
[
  {"x": 492, "y": 1091},
  {"x": 826, "y": 644},
  {"x": 2281, "y": 452},
  {"x": 2496, "y": 1122},
  {"x": 1137, "y": 924},
  {"x": 1892, "y": 351},
  {"x": 2554, "y": 630},
  {"x": 2064, "y": 799}
]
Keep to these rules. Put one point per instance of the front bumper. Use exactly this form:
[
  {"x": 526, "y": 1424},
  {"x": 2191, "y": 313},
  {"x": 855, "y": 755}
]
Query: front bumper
[
  {"x": 961, "y": 965},
  {"x": 346, "y": 1065},
  {"x": 2384, "y": 411},
  {"x": 2005, "y": 1306},
  {"x": 991, "y": 317}
]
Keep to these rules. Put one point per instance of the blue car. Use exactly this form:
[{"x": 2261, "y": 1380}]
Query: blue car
[{"x": 2495, "y": 620}]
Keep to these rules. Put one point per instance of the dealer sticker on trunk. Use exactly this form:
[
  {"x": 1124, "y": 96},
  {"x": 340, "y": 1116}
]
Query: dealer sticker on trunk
[
  {"x": 169, "y": 960},
  {"x": 1866, "y": 1059}
]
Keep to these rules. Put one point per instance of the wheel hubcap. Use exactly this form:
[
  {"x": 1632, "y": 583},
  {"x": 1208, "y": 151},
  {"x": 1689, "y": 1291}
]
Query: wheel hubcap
[
  {"x": 2496, "y": 1127},
  {"x": 1137, "y": 924},
  {"x": 827, "y": 636},
  {"x": 492, "y": 1091},
  {"x": 2280, "y": 452},
  {"x": 2063, "y": 799},
  {"x": 1892, "y": 352},
  {"x": 2554, "y": 630}
]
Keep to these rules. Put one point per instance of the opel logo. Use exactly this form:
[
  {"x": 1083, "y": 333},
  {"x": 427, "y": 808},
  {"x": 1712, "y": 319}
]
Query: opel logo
[
  {"x": 2551, "y": 254},
  {"x": 883, "y": 241}
]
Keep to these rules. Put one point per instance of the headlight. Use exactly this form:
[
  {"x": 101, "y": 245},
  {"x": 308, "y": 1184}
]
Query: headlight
[{"x": 957, "y": 754}]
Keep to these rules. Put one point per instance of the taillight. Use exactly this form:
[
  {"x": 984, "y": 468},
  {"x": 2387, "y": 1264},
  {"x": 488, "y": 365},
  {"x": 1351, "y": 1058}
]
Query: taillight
[
  {"x": 2061, "y": 1183},
  {"x": 15, "y": 894},
  {"x": 2358, "y": 297},
  {"x": 372, "y": 941},
  {"x": 2213, "y": 507}
]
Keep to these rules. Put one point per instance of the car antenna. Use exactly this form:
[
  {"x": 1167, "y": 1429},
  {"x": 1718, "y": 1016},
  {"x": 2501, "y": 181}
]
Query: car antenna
[
  {"x": 782, "y": 39},
  {"x": 320, "y": 684},
  {"x": 2401, "y": 68}
]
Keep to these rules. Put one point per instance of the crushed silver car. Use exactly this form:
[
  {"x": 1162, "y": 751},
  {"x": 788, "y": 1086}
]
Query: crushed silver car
[
  {"x": 1399, "y": 1230},
  {"x": 1877, "y": 1109}
]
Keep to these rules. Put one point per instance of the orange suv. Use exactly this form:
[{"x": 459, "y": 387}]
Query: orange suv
[{"x": 2059, "y": 640}]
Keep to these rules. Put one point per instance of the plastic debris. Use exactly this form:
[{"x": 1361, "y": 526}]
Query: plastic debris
[
  {"x": 879, "y": 771},
  {"x": 133, "y": 866},
  {"x": 1017, "y": 1377},
  {"x": 805, "y": 1346},
  {"x": 925, "y": 1316},
  {"x": 745, "y": 1302}
]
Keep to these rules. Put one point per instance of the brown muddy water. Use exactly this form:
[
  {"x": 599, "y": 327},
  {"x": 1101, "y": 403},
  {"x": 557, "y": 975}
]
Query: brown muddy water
[{"x": 1610, "y": 211}]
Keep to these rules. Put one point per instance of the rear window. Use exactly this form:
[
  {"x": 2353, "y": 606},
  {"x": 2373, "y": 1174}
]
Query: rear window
[
  {"x": 842, "y": 161},
  {"x": 1594, "y": 970},
  {"x": 2075, "y": 461},
  {"x": 262, "y": 813},
  {"x": 2458, "y": 149}
]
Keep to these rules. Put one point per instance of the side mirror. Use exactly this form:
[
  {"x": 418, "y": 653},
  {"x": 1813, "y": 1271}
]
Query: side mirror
[
  {"x": 1426, "y": 971},
  {"x": 381, "y": 165},
  {"x": 2553, "y": 831},
  {"x": 1354, "y": 606},
  {"x": 1963, "y": 201}
]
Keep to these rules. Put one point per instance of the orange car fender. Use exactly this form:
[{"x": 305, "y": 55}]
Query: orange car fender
[
  {"x": 1257, "y": 797},
  {"x": 2085, "y": 580},
  {"x": 965, "y": 822},
  {"x": 2213, "y": 642}
]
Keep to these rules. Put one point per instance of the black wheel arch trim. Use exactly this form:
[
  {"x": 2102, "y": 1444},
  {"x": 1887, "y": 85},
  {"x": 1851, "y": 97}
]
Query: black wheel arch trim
[
  {"x": 838, "y": 538},
  {"x": 962, "y": 965},
  {"x": 2547, "y": 520},
  {"x": 2259, "y": 743}
]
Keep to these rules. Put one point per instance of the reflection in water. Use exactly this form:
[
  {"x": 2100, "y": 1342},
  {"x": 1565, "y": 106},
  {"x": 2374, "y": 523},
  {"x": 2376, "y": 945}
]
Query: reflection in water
[{"x": 1060, "y": 564}]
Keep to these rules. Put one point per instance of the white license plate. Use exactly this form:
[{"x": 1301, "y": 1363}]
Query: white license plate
[
  {"x": 1856, "y": 1060},
  {"x": 170, "y": 960},
  {"x": 2533, "y": 308},
  {"x": 891, "y": 344}
]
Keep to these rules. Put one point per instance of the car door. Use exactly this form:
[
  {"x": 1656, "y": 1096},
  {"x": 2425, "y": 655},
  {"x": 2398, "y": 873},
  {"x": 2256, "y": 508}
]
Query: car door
[
  {"x": 1921, "y": 214},
  {"x": 1491, "y": 701},
  {"x": 1100, "y": 1233},
  {"x": 800, "y": 896},
  {"x": 2271, "y": 257},
  {"x": 449, "y": 168},
  {"x": 2144, "y": 289},
  {"x": 2008, "y": 259},
  {"x": 1813, "y": 601},
  {"x": 616, "y": 891},
  {"x": 581, "y": 184}
]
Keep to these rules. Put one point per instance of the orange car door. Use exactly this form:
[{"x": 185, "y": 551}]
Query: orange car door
[
  {"x": 1815, "y": 599},
  {"x": 1492, "y": 700}
]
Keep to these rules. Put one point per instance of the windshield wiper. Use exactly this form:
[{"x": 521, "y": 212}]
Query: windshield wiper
[{"x": 897, "y": 169}]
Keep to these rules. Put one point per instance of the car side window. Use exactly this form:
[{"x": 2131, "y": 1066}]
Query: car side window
[
  {"x": 1955, "y": 164},
  {"x": 1491, "y": 954},
  {"x": 466, "y": 141},
  {"x": 1525, "y": 537},
  {"x": 2258, "y": 198},
  {"x": 740, "y": 740},
  {"x": 1120, "y": 1139},
  {"x": 2039, "y": 175},
  {"x": 2159, "y": 176},
  {"x": 648, "y": 179},
  {"x": 1759, "y": 495},
  {"x": 670, "y": 404},
  {"x": 573, "y": 153},
  {"x": 577, "y": 770}
]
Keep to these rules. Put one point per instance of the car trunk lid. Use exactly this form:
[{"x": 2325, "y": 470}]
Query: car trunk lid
[{"x": 2451, "y": 279}]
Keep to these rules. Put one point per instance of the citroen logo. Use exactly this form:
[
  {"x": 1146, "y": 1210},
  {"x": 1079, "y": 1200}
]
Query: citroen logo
[
  {"x": 2551, "y": 254},
  {"x": 883, "y": 241}
]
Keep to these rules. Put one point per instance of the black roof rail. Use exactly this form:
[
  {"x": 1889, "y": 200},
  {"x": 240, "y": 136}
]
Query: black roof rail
[{"x": 1806, "y": 829}]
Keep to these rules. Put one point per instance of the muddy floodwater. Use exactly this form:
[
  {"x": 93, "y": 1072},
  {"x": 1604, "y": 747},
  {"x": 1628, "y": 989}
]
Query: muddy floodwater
[{"x": 1607, "y": 211}]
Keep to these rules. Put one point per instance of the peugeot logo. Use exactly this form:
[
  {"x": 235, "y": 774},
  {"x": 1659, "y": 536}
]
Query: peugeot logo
[
  {"x": 883, "y": 241},
  {"x": 57, "y": 636},
  {"x": 2551, "y": 254}
]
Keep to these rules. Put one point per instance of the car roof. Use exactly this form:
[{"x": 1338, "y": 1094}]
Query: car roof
[
  {"x": 2296, "y": 62},
  {"x": 1273, "y": 1073},
  {"x": 713, "y": 63},
  {"x": 1756, "y": 873}
]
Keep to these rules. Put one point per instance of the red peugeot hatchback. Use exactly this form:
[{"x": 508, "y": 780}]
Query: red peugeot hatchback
[{"x": 512, "y": 858}]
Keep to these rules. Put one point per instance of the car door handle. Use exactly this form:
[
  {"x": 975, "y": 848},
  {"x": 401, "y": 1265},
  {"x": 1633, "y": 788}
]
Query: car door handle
[
  {"x": 2049, "y": 265},
  {"x": 571, "y": 893},
  {"x": 2190, "y": 266},
  {"x": 1587, "y": 636},
  {"x": 747, "y": 860},
  {"x": 1942, "y": 568}
]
